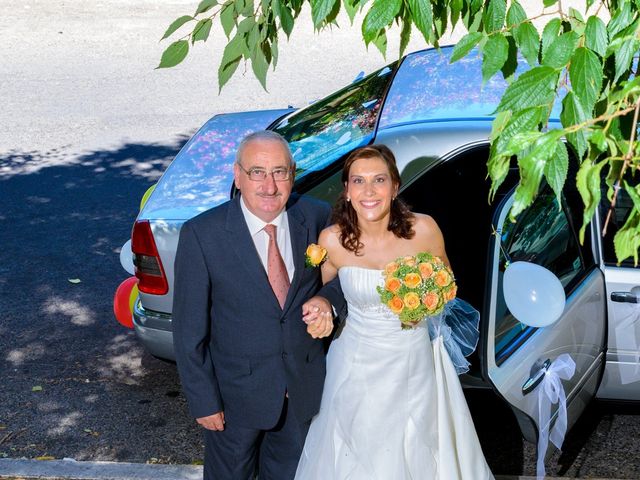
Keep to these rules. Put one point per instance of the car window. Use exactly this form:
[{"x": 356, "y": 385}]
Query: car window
[
  {"x": 617, "y": 217},
  {"x": 329, "y": 128},
  {"x": 544, "y": 235}
]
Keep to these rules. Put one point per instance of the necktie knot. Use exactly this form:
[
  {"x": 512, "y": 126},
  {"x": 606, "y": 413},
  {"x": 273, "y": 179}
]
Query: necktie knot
[{"x": 270, "y": 230}]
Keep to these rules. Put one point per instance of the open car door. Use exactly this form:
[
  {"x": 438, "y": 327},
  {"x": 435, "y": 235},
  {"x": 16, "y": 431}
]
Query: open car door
[{"x": 516, "y": 356}]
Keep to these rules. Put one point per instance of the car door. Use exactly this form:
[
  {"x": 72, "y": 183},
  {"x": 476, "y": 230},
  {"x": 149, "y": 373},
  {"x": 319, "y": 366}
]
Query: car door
[
  {"x": 621, "y": 379},
  {"x": 514, "y": 355}
]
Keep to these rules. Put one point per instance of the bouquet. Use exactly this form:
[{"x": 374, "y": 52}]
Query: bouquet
[{"x": 416, "y": 287}]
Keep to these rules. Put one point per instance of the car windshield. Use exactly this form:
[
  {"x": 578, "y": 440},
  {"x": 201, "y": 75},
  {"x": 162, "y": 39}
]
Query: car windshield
[{"x": 329, "y": 128}]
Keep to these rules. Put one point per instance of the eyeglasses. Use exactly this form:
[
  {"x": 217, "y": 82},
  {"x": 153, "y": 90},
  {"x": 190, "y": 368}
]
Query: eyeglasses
[{"x": 280, "y": 174}]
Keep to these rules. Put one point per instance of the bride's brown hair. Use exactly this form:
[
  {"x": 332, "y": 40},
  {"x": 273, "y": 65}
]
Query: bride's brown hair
[{"x": 400, "y": 217}]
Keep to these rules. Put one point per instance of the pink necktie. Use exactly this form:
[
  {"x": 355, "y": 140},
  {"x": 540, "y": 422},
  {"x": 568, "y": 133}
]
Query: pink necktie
[{"x": 276, "y": 270}]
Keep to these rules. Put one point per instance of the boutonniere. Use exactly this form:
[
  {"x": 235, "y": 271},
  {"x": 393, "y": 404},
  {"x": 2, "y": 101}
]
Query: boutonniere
[{"x": 315, "y": 256}]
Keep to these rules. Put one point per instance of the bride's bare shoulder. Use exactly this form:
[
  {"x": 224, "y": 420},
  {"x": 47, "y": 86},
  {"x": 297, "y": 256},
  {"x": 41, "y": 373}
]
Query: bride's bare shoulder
[
  {"x": 330, "y": 236},
  {"x": 424, "y": 223}
]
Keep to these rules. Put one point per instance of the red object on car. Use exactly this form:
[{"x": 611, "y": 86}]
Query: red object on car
[{"x": 146, "y": 260}]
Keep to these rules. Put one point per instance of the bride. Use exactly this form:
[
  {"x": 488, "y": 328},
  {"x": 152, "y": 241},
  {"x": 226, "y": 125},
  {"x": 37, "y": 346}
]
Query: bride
[{"x": 392, "y": 406}]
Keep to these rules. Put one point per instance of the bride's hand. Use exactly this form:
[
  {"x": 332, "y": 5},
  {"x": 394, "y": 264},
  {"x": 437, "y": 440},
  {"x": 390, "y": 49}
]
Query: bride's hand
[{"x": 318, "y": 316}]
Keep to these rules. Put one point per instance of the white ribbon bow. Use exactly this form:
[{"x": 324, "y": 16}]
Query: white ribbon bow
[{"x": 551, "y": 391}]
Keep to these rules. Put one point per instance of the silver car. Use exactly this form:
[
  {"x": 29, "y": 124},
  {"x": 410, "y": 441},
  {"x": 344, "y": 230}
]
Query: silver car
[{"x": 436, "y": 117}]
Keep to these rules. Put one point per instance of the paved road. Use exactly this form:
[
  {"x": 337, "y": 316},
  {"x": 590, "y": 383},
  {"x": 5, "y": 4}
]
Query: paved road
[{"x": 87, "y": 126}]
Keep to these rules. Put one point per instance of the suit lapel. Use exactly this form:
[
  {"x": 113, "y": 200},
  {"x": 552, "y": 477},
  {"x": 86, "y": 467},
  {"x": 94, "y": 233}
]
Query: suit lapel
[
  {"x": 242, "y": 243},
  {"x": 299, "y": 233}
]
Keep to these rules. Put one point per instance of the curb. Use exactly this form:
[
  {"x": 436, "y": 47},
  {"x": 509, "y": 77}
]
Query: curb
[
  {"x": 74, "y": 470},
  {"x": 69, "y": 469}
]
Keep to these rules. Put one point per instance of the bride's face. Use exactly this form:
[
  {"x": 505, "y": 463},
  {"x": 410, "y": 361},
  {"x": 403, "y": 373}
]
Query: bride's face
[{"x": 370, "y": 189}]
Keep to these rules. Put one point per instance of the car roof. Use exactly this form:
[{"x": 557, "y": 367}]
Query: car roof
[{"x": 427, "y": 87}]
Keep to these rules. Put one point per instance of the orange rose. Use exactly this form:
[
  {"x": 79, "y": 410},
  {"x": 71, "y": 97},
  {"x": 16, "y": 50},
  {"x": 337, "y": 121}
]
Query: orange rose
[
  {"x": 443, "y": 278},
  {"x": 412, "y": 280},
  {"x": 409, "y": 261},
  {"x": 392, "y": 284},
  {"x": 426, "y": 269},
  {"x": 431, "y": 301},
  {"x": 451, "y": 293},
  {"x": 390, "y": 268},
  {"x": 412, "y": 300},
  {"x": 316, "y": 255},
  {"x": 396, "y": 305}
]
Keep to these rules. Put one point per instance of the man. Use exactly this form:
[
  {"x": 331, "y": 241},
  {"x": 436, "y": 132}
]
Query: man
[{"x": 252, "y": 370}]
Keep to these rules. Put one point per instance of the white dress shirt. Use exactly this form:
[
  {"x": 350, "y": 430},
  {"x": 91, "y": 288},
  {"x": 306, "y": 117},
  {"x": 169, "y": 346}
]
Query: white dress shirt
[{"x": 261, "y": 239}]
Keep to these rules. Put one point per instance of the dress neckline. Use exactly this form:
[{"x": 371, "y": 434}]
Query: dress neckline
[{"x": 362, "y": 268}]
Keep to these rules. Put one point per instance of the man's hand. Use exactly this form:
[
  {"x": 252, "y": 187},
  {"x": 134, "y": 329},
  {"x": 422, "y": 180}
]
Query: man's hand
[
  {"x": 212, "y": 422},
  {"x": 318, "y": 316}
]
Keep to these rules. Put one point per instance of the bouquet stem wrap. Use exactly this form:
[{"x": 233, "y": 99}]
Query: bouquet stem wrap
[
  {"x": 458, "y": 327},
  {"x": 551, "y": 391}
]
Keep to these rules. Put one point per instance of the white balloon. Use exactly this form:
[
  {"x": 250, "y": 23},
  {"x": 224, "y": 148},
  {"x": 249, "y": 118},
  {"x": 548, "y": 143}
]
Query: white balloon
[
  {"x": 533, "y": 294},
  {"x": 126, "y": 258}
]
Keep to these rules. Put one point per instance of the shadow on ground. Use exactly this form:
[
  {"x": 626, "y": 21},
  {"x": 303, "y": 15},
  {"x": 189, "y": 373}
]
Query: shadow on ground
[{"x": 76, "y": 383}]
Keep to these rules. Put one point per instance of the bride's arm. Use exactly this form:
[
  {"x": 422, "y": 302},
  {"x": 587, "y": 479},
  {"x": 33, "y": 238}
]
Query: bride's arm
[{"x": 431, "y": 238}]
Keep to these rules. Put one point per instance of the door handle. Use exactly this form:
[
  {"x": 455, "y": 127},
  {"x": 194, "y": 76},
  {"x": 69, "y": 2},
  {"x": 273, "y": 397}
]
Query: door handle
[
  {"x": 624, "y": 297},
  {"x": 537, "y": 374}
]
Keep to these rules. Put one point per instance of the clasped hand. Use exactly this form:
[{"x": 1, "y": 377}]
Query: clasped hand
[{"x": 317, "y": 314}]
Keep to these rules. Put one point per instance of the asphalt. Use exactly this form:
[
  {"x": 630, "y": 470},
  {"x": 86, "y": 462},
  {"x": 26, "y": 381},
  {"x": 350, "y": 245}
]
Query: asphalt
[{"x": 69, "y": 469}]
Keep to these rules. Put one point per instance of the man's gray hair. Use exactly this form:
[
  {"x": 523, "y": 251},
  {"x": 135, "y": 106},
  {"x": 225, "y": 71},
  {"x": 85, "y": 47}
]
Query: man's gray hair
[{"x": 265, "y": 135}]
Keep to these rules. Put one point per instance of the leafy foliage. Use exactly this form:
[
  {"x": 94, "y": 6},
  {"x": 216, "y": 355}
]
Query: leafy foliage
[{"x": 588, "y": 63}]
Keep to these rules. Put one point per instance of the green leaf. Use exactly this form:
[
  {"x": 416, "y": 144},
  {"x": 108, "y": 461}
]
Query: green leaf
[
  {"x": 260, "y": 66},
  {"x": 174, "y": 54},
  {"x": 228, "y": 18},
  {"x": 598, "y": 140},
  {"x": 201, "y": 32},
  {"x": 550, "y": 33},
  {"x": 36, "y": 388},
  {"x": 548, "y": 3},
  {"x": 556, "y": 168},
  {"x": 286, "y": 20},
  {"x": 534, "y": 87},
  {"x": 494, "y": 55},
  {"x": 465, "y": 45},
  {"x": 531, "y": 168},
  {"x": 177, "y": 23},
  {"x": 494, "y": 16},
  {"x": 516, "y": 15},
  {"x": 456, "y": 9},
  {"x": 573, "y": 114},
  {"x": 586, "y": 77},
  {"x": 624, "y": 57},
  {"x": 380, "y": 41},
  {"x": 596, "y": 35},
  {"x": 521, "y": 142},
  {"x": 274, "y": 53},
  {"x": 504, "y": 127},
  {"x": 380, "y": 15},
  {"x": 352, "y": 7},
  {"x": 422, "y": 15},
  {"x": 561, "y": 49},
  {"x": 576, "y": 20},
  {"x": 621, "y": 20},
  {"x": 230, "y": 59},
  {"x": 205, "y": 5},
  {"x": 320, "y": 10},
  {"x": 405, "y": 35},
  {"x": 626, "y": 242},
  {"x": 528, "y": 40},
  {"x": 588, "y": 183}
]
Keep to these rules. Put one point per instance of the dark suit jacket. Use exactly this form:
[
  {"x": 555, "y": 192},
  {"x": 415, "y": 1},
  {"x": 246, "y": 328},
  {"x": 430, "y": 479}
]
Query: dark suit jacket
[{"x": 236, "y": 349}]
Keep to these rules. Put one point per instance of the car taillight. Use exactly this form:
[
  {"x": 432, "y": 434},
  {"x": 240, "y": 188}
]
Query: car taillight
[{"x": 147, "y": 260}]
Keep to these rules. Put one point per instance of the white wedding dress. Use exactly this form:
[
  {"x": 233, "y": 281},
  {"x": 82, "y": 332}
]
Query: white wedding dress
[{"x": 392, "y": 406}]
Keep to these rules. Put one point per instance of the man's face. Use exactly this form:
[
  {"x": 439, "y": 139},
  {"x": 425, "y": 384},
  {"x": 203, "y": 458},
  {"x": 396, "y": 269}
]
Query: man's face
[{"x": 268, "y": 197}]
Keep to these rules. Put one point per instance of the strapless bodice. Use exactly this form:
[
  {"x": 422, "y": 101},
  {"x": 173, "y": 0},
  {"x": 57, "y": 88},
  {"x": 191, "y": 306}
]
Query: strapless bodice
[{"x": 368, "y": 316}]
